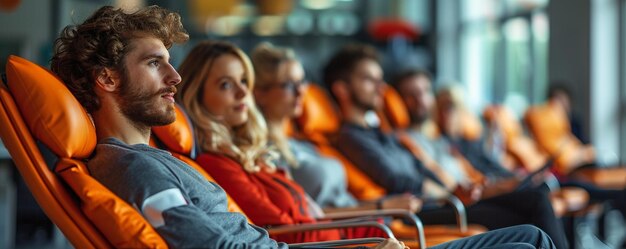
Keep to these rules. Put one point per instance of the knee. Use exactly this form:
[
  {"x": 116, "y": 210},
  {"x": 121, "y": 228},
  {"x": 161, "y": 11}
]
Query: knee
[
  {"x": 530, "y": 229},
  {"x": 534, "y": 233}
]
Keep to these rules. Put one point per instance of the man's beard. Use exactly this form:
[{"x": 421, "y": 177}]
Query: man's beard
[
  {"x": 360, "y": 103},
  {"x": 419, "y": 118},
  {"x": 142, "y": 107}
]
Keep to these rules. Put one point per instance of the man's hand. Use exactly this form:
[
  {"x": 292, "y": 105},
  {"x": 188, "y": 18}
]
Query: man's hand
[
  {"x": 391, "y": 244},
  {"x": 405, "y": 201},
  {"x": 499, "y": 187},
  {"x": 469, "y": 194}
]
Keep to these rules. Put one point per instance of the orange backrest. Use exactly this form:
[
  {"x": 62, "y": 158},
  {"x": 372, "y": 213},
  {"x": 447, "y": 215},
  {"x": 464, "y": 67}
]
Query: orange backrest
[
  {"x": 319, "y": 115},
  {"x": 394, "y": 110},
  {"x": 320, "y": 119},
  {"x": 504, "y": 119},
  {"x": 395, "y": 113},
  {"x": 518, "y": 145},
  {"x": 178, "y": 138},
  {"x": 549, "y": 125},
  {"x": 36, "y": 106},
  {"x": 471, "y": 127},
  {"x": 550, "y": 128}
]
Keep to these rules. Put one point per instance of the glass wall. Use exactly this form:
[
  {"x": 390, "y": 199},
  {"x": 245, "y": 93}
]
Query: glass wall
[
  {"x": 622, "y": 61},
  {"x": 503, "y": 52}
]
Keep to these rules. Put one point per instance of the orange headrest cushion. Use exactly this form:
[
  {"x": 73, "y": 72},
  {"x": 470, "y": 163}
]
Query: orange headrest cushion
[
  {"x": 53, "y": 114},
  {"x": 504, "y": 118},
  {"x": 318, "y": 112},
  {"x": 471, "y": 127},
  {"x": 177, "y": 136},
  {"x": 394, "y": 108}
]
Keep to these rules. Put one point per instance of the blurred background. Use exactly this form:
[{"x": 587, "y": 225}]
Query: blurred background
[{"x": 501, "y": 52}]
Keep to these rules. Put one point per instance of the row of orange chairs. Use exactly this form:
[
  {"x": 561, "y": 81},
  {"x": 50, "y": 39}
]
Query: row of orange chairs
[{"x": 36, "y": 107}]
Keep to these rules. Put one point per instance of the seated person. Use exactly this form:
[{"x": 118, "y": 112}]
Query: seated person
[
  {"x": 415, "y": 88},
  {"x": 449, "y": 117},
  {"x": 117, "y": 65},
  {"x": 279, "y": 80},
  {"x": 353, "y": 76}
]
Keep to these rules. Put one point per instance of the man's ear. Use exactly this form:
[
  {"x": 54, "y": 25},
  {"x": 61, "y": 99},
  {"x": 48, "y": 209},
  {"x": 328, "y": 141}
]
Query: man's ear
[
  {"x": 259, "y": 97},
  {"x": 108, "y": 80},
  {"x": 340, "y": 90}
]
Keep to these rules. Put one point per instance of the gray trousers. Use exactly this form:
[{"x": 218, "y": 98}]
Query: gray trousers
[{"x": 521, "y": 236}]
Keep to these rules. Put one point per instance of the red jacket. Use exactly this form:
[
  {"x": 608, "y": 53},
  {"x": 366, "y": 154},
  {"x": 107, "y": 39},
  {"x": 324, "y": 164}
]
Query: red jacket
[{"x": 266, "y": 198}]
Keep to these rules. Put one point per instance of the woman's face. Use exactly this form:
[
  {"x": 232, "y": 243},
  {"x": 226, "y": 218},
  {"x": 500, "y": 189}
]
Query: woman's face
[
  {"x": 226, "y": 90},
  {"x": 281, "y": 97}
]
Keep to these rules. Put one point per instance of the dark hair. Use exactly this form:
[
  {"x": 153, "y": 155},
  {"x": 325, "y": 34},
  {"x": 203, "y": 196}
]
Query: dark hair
[
  {"x": 556, "y": 88},
  {"x": 410, "y": 73},
  {"x": 82, "y": 51},
  {"x": 342, "y": 63}
]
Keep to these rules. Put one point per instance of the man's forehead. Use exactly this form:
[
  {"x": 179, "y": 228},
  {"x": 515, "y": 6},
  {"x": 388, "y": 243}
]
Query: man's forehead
[
  {"x": 423, "y": 81},
  {"x": 147, "y": 46},
  {"x": 369, "y": 66}
]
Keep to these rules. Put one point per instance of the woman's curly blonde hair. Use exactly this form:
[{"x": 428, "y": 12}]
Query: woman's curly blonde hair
[
  {"x": 247, "y": 144},
  {"x": 82, "y": 51}
]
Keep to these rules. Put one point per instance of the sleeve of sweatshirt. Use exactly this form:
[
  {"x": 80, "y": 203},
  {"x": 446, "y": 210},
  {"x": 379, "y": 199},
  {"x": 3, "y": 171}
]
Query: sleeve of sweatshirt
[
  {"x": 378, "y": 164},
  {"x": 162, "y": 199}
]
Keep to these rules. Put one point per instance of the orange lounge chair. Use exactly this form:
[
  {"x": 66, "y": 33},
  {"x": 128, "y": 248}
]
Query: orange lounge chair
[{"x": 550, "y": 128}]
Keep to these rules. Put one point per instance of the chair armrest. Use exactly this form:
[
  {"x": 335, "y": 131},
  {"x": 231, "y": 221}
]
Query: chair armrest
[
  {"x": 396, "y": 213},
  {"x": 459, "y": 210},
  {"x": 328, "y": 225},
  {"x": 336, "y": 243}
]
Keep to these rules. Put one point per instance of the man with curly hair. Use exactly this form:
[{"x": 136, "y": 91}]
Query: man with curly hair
[{"x": 117, "y": 66}]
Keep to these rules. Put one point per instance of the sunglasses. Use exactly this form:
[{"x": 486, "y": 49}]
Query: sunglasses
[{"x": 291, "y": 86}]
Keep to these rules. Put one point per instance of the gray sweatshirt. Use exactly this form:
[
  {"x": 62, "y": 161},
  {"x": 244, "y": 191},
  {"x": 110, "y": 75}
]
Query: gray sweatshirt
[{"x": 183, "y": 207}]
